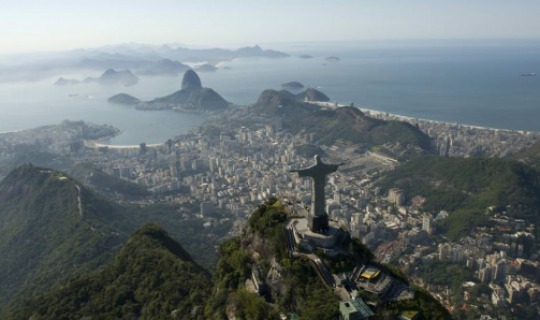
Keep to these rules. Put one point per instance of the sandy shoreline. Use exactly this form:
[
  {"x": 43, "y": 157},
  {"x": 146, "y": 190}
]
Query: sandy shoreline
[
  {"x": 387, "y": 115},
  {"x": 113, "y": 146},
  {"x": 382, "y": 114}
]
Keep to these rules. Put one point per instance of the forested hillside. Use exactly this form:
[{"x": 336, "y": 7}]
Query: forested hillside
[
  {"x": 152, "y": 277},
  {"x": 467, "y": 187}
]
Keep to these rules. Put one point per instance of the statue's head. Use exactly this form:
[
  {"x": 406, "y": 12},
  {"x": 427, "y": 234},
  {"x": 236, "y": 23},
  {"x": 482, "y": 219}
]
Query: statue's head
[{"x": 317, "y": 158}]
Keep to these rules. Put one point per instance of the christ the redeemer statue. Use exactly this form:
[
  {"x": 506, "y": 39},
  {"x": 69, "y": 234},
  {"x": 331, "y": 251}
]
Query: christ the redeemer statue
[{"x": 318, "y": 219}]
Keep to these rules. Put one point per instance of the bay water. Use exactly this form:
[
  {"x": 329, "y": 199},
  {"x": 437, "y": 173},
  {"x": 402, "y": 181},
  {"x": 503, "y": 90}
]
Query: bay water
[{"x": 476, "y": 84}]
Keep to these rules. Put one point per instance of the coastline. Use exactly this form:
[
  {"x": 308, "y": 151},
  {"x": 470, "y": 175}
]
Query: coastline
[
  {"x": 390, "y": 116},
  {"x": 93, "y": 144},
  {"x": 378, "y": 114}
]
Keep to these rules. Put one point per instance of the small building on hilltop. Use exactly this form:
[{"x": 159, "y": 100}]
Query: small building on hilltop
[{"x": 355, "y": 309}]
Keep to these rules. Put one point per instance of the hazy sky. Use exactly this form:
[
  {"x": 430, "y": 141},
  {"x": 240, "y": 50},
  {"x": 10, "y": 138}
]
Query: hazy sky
[{"x": 44, "y": 25}]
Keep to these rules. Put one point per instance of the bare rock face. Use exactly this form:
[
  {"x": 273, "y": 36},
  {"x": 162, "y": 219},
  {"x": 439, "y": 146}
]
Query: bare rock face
[{"x": 191, "y": 80}]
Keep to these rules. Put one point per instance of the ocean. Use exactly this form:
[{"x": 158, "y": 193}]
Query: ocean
[{"x": 469, "y": 83}]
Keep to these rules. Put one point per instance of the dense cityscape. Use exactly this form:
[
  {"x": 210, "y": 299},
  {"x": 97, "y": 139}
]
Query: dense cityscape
[
  {"x": 291, "y": 160},
  {"x": 227, "y": 170}
]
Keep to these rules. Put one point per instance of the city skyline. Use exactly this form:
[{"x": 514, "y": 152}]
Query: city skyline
[{"x": 30, "y": 25}]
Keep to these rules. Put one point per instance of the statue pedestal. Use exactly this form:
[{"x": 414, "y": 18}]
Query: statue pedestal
[
  {"x": 327, "y": 240},
  {"x": 318, "y": 224}
]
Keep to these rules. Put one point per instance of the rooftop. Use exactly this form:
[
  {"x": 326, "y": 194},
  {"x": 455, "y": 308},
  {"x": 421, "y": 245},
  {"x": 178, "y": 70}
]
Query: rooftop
[
  {"x": 408, "y": 315},
  {"x": 370, "y": 273},
  {"x": 357, "y": 307}
]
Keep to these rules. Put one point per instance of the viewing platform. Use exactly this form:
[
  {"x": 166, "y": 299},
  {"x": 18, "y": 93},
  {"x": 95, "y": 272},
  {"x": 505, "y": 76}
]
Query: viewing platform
[{"x": 327, "y": 240}]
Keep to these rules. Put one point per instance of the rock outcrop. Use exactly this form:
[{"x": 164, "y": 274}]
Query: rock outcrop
[
  {"x": 191, "y": 80},
  {"x": 192, "y": 97}
]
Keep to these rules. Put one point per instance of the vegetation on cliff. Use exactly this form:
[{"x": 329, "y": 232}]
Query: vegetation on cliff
[
  {"x": 298, "y": 288},
  {"x": 107, "y": 184},
  {"x": 50, "y": 229},
  {"x": 152, "y": 277},
  {"x": 53, "y": 228},
  {"x": 60, "y": 244}
]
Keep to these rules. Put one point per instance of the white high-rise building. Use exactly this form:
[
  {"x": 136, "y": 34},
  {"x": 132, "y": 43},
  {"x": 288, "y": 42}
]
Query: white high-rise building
[{"x": 426, "y": 224}]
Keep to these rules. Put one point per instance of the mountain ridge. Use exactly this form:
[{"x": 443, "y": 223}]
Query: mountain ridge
[
  {"x": 345, "y": 124},
  {"x": 48, "y": 230},
  {"x": 152, "y": 276}
]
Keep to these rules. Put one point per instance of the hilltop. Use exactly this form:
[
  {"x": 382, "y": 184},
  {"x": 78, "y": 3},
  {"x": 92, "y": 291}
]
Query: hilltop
[
  {"x": 152, "y": 277},
  {"x": 260, "y": 276}
]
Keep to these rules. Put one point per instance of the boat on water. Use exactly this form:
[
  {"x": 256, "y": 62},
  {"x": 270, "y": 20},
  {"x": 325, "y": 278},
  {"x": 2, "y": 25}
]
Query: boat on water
[{"x": 531, "y": 74}]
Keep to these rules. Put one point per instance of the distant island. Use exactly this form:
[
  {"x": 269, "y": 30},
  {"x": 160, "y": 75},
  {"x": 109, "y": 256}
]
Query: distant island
[
  {"x": 293, "y": 85},
  {"x": 191, "y": 97},
  {"x": 163, "y": 67},
  {"x": 124, "y": 98},
  {"x": 332, "y": 59},
  {"x": 306, "y": 56},
  {"x": 64, "y": 82},
  {"x": 206, "y": 68},
  {"x": 141, "y": 59},
  {"x": 110, "y": 76}
]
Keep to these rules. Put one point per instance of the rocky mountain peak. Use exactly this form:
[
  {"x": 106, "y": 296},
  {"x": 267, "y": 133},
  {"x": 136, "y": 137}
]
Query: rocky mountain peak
[{"x": 191, "y": 80}]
